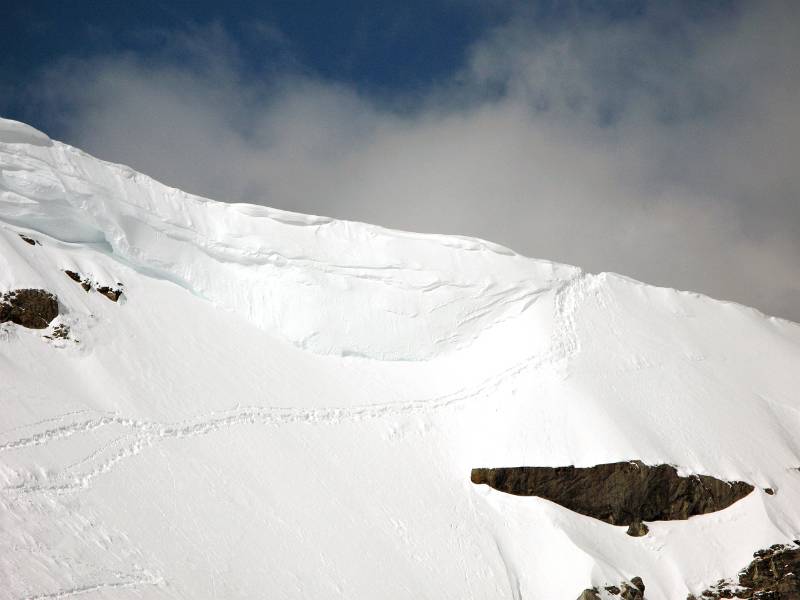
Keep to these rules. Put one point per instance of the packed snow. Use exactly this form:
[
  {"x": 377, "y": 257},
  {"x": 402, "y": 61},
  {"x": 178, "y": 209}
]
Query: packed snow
[{"x": 289, "y": 406}]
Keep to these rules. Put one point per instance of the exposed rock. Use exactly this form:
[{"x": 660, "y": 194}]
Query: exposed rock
[
  {"x": 637, "y": 529},
  {"x": 774, "y": 574},
  {"x": 633, "y": 590},
  {"x": 110, "y": 293},
  {"x": 86, "y": 284},
  {"x": 60, "y": 332},
  {"x": 631, "y": 593},
  {"x": 620, "y": 493},
  {"x": 34, "y": 309},
  {"x": 30, "y": 241},
  {"x": 769, "y": 491}
]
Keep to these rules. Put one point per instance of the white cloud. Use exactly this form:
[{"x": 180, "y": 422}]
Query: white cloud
[{"x": 671, "y": 157}]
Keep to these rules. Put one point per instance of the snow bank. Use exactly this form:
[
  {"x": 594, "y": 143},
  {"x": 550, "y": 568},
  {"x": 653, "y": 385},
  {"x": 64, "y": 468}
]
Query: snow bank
[{"x": 297, "y": 276}]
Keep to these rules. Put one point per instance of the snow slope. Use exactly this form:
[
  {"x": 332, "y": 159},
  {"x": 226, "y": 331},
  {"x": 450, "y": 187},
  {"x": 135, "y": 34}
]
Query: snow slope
[{"x": 288, "y": 406}]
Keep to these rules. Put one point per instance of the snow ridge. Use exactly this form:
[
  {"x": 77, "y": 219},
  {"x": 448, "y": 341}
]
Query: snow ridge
[{"x": 299, "y": 277}]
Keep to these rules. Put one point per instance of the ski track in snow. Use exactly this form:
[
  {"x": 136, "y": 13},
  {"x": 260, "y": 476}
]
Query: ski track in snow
[
  {"x": 147, "y": 434},
  {"x": 97, "y": 587}
]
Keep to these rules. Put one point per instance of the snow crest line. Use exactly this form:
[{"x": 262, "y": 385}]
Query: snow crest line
[{"x": 433, "y": 295}]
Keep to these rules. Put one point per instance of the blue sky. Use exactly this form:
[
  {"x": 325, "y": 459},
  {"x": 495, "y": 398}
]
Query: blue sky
[
  {"x": 655, "y": 139},
  {"x": 378, "y": 48}
]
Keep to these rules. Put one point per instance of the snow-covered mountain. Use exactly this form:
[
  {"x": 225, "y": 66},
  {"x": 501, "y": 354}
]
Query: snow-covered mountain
[{"x": 230, "y": 401}]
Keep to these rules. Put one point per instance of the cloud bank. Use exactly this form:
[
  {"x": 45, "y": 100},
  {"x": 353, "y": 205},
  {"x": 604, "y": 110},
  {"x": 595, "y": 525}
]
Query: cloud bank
[{"x": 665, "y": 147}]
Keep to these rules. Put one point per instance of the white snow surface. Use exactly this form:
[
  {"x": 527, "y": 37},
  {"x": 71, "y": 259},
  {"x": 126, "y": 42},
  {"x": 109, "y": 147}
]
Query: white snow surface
[{"x": 288, "y": 406}]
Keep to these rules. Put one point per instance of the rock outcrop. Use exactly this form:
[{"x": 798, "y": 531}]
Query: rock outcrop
[
  {"x": 623, "y": 493},
  {"x": 110, "y": 293},
  {"x": 87, "y": 284},
  {"x": 76, "y": 277},
  {"x": 637, "y": 529},
  {"x": 632, "y": 590},
  {"x": 31, "y": 308},
  {"x": 60, "y": 332},
  {"x": 774, "y": 574}
]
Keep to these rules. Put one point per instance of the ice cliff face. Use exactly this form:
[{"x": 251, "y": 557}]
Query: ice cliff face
[{"x": 234, "y": 401}]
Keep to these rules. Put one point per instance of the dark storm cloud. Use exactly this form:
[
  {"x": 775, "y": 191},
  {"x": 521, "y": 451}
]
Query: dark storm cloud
[{"x": 665, "y": 147}]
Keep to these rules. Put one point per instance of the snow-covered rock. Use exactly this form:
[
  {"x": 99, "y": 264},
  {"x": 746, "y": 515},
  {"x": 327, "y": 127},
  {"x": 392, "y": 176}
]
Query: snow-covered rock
[{"x": 288, "y": 406}]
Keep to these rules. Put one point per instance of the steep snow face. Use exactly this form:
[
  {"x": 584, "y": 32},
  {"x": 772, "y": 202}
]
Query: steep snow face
[
  {"x": 298, "y": 276},
  {"x": 291, "y": 406}
]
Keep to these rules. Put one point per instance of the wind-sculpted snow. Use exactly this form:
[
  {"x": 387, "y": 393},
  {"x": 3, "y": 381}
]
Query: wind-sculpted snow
[
  {"x": 299, "y": 276},
  {"x": 14, "y": 132},
  {"x": 286, "y": 405}
]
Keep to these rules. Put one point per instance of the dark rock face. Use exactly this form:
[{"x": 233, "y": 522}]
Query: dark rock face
[
  {"x": 774, "y": 574},
  {"x": 60, "y": 332},
  {"x": 76, "y": 277},
  {"x": 110, "y": 293},
  {"x": 28, "y": 240},
  {"x": 639, "y": 585},
  {"x": 34, "y": 309},
  {"x": 633, "y": 590},
  {"x": 621, "y": 493},
  {"x": 637, "y": 529}
]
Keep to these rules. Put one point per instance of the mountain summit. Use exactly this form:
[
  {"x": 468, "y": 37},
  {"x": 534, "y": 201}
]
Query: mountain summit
[{"x": 211, "y": 400}]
